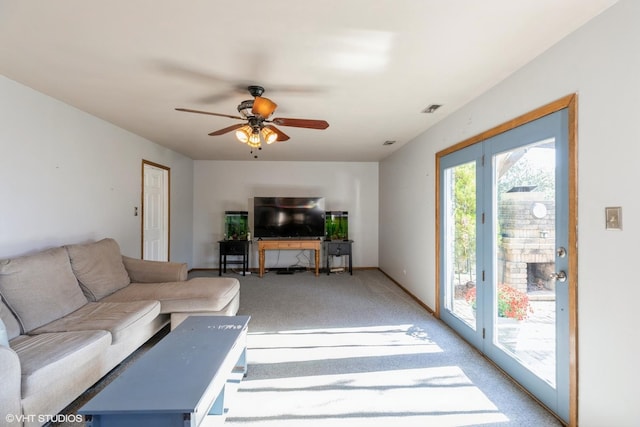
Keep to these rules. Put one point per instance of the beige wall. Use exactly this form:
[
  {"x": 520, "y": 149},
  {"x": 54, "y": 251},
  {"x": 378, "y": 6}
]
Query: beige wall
[
  {"x": 69, "y": 177},
  {"x": 224, "y": 185}
]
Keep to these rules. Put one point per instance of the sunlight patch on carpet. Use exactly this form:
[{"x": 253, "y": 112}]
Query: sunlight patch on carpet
[
  {"x": 338, "y": 343},
  {"x": 439, "y": 395}
]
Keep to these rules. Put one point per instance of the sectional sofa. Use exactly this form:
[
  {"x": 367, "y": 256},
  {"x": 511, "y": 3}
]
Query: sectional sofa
[{"x": 71, "y": 314}]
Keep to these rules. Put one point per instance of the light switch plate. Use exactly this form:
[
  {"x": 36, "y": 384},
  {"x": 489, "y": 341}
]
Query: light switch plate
[{"x": 613, "y": 218}]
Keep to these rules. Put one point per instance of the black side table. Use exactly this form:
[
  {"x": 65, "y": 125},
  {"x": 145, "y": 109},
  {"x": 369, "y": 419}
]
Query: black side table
[
  {"x": 337, "y": 248},
  {"x": 234, "y": 248}
]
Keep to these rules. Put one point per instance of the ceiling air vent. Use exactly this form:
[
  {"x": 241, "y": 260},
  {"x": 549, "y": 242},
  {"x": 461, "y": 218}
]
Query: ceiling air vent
[{"x": 431, "y": 108}]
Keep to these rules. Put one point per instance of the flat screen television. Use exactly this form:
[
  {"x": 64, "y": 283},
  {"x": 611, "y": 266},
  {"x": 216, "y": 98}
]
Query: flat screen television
[{"x": 288, "y": 217}]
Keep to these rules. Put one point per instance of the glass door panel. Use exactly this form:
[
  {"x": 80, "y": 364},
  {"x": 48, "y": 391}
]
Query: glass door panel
[
  {"x": 524, "y": 315},
  {"x": 460, "y": 232},
  {"x": 460, "y": 238},
  {"x": 526, "y": 309}
]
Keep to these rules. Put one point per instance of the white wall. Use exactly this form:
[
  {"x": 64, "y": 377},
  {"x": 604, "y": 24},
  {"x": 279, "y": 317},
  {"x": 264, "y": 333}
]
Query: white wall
[
  {"x": 222, "y": 185},
  {"x": 68, "y": 177},
  {"x": 601, "y": 62}
]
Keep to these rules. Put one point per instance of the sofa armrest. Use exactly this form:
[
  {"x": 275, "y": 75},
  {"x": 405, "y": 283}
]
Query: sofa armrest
[
  {"x": 10, "y": 387},
  {"x": 143, "y": 271}
]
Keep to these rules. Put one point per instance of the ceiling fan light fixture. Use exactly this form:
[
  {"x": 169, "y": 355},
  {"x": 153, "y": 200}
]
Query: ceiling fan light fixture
[
  {"x": 269, "y": 136},
  {"x": 258, "y": 128},
  {"x": 244, "y": 133},
  {"x": 254, "y": 140},
  {"x": 263, "y": 107}
]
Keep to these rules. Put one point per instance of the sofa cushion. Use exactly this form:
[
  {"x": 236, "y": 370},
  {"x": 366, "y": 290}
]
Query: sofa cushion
[
  {"x": 40, "y": 288},
  {"x": 230, "y": 309},
  {"x": 145, "y": 271},
  {"x": 10, "y": 322},
  {"x": 194, "y": 295},
  {"x": 48, "y": 358},
  {"x": 98, "y": 267},
  {"x": 4, "y": 339},
  {"x": 119, "y": 318}
]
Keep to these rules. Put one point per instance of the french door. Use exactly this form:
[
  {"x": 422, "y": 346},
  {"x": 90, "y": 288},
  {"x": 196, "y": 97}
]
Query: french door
[{"x": 505, "y": 250}]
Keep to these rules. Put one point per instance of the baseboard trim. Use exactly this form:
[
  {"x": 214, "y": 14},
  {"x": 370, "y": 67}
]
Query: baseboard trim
[{"x": 405, "y": 290}]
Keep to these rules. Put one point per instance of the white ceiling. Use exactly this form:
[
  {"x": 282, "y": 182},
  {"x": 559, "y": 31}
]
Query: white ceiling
[{"x": 367, "y": 67}]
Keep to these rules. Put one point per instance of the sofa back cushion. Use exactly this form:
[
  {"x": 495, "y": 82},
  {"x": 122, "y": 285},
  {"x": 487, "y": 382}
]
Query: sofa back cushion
[
  {"x": 145, "y": 271},
  {"x": 99, "y": 268},
  {"x": 12, "y": 327},
  {"x": 40, "y": 288}
]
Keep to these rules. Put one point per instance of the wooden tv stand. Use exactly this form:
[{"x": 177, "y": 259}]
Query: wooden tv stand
[{"x": 288, "y": 244}]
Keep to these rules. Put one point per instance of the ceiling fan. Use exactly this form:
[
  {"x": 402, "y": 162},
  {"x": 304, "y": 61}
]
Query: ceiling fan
[{"x": 257, "y": 126}]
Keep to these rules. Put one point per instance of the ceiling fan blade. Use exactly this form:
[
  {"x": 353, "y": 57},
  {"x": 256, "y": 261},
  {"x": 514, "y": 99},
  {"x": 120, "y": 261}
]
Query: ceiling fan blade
[
  {"x": 281, "y": 135},
  {"x": 263, "y": 107},
  {"x": 187, "y": 110},
  {"x": 301, "y": 123},
  {"x": 227, "y": 129}
]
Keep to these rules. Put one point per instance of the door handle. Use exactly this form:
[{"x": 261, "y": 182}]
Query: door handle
[{"x": 560, "y": 276}]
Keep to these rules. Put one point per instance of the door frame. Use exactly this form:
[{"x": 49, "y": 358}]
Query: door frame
[
  {"x": 570, "y": 102},
  {"x": 167, "y": 202}
]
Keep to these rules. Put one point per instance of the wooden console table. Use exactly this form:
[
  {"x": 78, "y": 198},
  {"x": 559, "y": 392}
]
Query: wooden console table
[{"x": 265, "y": 245}]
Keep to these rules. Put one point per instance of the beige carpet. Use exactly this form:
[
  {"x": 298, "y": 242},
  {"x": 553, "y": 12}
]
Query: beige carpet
[{"x": 353, "y": 351}]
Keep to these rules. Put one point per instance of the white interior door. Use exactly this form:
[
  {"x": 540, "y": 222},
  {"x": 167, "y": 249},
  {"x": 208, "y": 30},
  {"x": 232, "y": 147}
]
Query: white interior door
[{"x": 155, "y": 212}]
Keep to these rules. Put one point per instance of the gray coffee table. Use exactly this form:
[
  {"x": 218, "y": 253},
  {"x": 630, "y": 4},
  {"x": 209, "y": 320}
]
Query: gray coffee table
[{"x": 179, "y": 382}]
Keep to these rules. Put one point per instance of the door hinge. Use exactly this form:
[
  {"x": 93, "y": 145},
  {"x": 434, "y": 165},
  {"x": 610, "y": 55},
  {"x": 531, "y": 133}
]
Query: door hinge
[
  {"x": 483, "y": 330},
  {"x": 483, "y": 275},
  {"x": 482, "y": 218}
]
